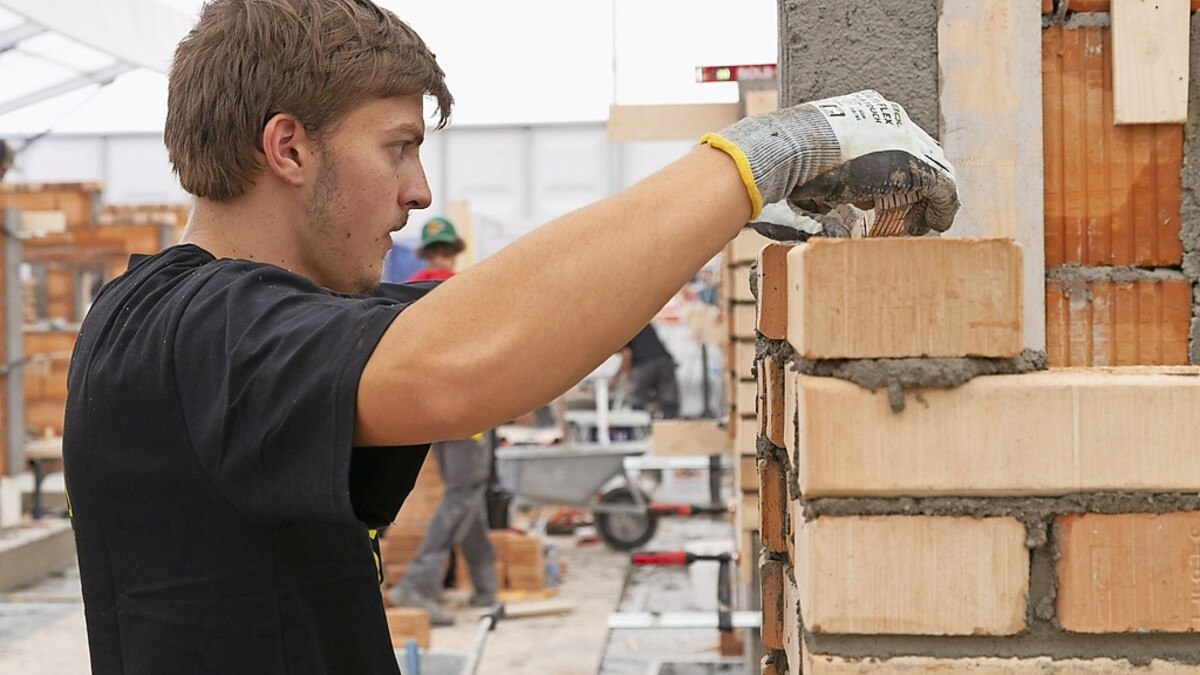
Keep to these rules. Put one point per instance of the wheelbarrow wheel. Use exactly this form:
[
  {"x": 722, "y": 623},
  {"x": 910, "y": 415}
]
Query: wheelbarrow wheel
[{"x": 624, "y": 531}]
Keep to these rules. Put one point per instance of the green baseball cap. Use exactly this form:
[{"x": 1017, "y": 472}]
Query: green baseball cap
[{"x": 440, "y": 231}]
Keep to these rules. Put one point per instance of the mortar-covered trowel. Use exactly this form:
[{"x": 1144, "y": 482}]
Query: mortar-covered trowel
[{"x": 884, "y": 218}]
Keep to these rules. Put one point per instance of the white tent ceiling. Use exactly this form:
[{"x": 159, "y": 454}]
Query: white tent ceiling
[{"x": 97, "y": 66}]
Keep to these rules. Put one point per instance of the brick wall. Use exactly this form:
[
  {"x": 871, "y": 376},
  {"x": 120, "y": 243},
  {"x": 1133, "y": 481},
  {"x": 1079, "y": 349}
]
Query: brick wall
[{"x": 1038, "y": 522}]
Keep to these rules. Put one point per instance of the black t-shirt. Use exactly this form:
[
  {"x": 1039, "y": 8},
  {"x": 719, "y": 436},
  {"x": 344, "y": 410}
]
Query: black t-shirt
[
  {"x": 220, "y": 510},
  {"x": 646, "y": 347}
]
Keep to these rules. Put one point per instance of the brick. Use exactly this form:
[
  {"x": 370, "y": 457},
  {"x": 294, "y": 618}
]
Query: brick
[
  {"x": 791, "y": 399},
  {"x": 1129, "y": 573},
  {"x": 739, "y": 284},
  {"x": 910, "y": 665},
  {"x": 748, "y": 552},
  {"x": 1048, "y": 433},
  {"x": 741, "y": 359},
  {"x": 745, "y": 247},
  {"x": 772, "y": 291},
  {"x": 897, "y": 297},
  {"x": 912, "y": 575},
  {"x": 773, "y": 582},
  {"x": 1112, "y": 192},
  {"x": 405, "y": 623},
  {"x": 741, "y": 321},
  {"x": 1105, "y": 5},
  {"x": 746, "y": 438},
  {"x": 793, "y": 632},
  {"x": 772, "y": 509},
  {"x": 747, "y": 475},
  {"x": 772, "y": 402},
  {"x": 689, "y": 438},
  {"x": 1102, "y": 323},
  {"x": 748, "y": 512},
  {"x": 747, "y": 397}
]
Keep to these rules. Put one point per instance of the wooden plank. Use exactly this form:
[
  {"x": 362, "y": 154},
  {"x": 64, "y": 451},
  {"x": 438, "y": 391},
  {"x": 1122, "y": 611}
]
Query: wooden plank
[
  {"x": 686, "y": 122},
  {"x": 991, "y": 129},
  {"x": 1150, "y": 61}
]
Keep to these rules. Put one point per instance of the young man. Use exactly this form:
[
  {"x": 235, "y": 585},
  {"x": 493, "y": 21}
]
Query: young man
[{"x": 245, "y": 405}]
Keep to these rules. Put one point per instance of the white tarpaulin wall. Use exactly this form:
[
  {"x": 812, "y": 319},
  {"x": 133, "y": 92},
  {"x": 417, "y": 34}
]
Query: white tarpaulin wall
[{"x": 138, "y": 32}]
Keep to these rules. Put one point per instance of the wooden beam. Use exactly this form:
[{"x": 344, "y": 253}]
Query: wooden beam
[
  {"x": 1150, "y": 61},
  {"x": 668, "y": 122},
  {"x": 990, "y": 57}
]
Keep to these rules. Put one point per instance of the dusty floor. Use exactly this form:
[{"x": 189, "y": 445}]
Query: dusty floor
[{"x": 42, "y": 629}]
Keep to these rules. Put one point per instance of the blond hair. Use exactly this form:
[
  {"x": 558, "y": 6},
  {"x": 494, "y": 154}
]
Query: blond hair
[{"x": 248, "y": 60}]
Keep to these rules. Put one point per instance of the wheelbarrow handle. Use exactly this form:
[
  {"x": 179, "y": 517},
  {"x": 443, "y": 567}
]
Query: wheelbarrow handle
[{"x": 661, "y": 558}]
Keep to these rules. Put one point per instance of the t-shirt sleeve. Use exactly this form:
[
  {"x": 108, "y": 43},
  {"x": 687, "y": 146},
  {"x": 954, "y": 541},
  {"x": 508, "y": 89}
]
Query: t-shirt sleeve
[{"x": 267, "y": 367}]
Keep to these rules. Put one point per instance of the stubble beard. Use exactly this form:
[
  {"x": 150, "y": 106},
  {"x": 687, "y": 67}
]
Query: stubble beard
[{"x": 319, "y": 210}]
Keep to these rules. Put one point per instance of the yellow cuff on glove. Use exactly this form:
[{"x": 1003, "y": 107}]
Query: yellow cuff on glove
[{"x": 743, "y": 165}]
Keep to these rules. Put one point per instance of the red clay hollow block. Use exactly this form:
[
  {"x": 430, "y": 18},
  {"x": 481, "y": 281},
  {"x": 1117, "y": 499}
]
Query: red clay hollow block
[
  {"x": 1103, "y": 323},
  {"x": 901, "y": 297},
  {"x": 772, "y": 291},
  {"x": 773, "y": 506},
  {"x": 1129, "y": 573},
  {"x": 912, "y": 575},
  {"x": 1112, "y": 192}
]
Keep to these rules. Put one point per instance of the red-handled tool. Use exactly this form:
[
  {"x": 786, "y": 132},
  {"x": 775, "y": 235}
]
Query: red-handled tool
[{"x": 685, "y": 558}]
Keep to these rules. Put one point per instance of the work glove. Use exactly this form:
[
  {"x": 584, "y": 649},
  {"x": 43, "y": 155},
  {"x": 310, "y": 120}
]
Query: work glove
[{"x": 858, "y": 149}]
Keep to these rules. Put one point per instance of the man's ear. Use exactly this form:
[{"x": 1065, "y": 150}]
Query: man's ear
[{"x": 289, "y": 150}]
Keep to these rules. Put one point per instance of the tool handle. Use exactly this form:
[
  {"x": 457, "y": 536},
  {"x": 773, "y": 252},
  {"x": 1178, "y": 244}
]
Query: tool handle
[{"x": 661, "y": 558}]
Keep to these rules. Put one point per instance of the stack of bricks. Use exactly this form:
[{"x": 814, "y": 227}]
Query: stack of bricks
[
  {"x": 1116, "y": 289},
  {"x": 1028, "y": 523},
  {"x": 520, "y": 564},
  {"x": 83, "y": 238},
  {"x": 738, "y": 303}
]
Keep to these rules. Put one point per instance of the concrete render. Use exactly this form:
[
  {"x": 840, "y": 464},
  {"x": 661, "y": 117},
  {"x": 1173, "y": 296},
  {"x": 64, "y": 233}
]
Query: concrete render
[{"x": 833, "y": 47}]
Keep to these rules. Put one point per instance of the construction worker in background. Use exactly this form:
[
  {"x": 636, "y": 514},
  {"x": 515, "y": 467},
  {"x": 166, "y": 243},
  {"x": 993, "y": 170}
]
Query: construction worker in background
[
  {"x": 465, "y": 466},
  {"x": 245, "y": 406},
  {"x": 7, "y": 155},
  {"x": 650, "y": 370}
]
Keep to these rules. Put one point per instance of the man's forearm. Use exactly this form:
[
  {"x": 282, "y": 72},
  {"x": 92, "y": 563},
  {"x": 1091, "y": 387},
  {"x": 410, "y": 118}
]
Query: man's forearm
[{"x": 523, "y": 326}]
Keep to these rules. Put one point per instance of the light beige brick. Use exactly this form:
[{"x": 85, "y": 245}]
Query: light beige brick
[
  {"x": 912, "y": 665},
  {"x": 747, "y": 474},
  {"x": 772, "y": 291},
  {"x": 739, "y": 284},
  {"x": 689, "y": 438},
  {"x": 748, "y": 512},
  {"x": 793, "y": 632},
  {"x": 912, "y": 575},
  {"x": 745, "y": 247},
  {"x": 740, "y": 320},
  {"x": 747, "y": 397},
  {"x": 1136, "y": 572},
  {"x": 1048, "y": 433},
  {"x": 741, "y": 362},
  {"x": 872, "y": 298},
  {"x": 746, "y": 438}
]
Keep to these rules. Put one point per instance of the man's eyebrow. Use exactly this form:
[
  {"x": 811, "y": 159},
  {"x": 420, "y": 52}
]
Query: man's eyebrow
[{"x": 409, "y": 128}]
